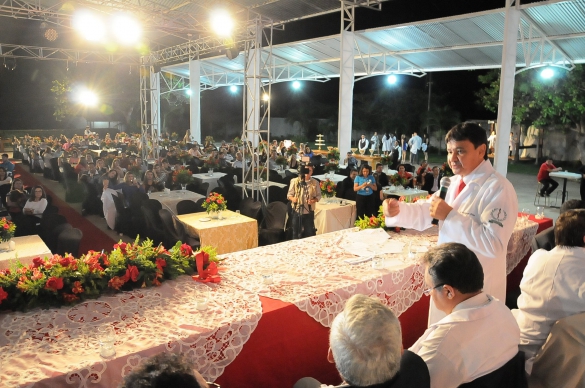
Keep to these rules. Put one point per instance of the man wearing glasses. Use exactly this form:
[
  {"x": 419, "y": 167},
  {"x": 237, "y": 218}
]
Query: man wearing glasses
[{"x": 479, "y": 334}]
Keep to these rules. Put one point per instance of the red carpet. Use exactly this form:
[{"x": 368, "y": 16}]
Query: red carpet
[{"x": 93, "y": 237}]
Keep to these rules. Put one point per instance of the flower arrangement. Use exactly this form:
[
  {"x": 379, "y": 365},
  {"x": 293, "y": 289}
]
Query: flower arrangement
[
  {"x": 333, "y": 153},
  {"x": 122, "y": 134},
  {"x": 182, "y": 176},
  {"x": 281, "y": 161},
  {"x": 59, "y": 280},
  {"x": 208, "y": 140},
  {"x": 132, "y": 148},
  {"x": 7, "y": 229},
  {"x": 214, "y": 203},
  {"x": 184, "y": 156},
  {"x": 397, "y": 180},
  {"x": 174, "y": 136},
  {"x": 292, "y": 150},
  {"x": 386, "y": 160},
  {"x": 211, "y": 163},
  {"x": 165, "y": 143},
  {"x": 327, "y": 188},
  {"x": 414, "y": 199},
  {"x": 331, "y": 166},
  {"x": 447, "y": 171},
  {"x": 372, "y": 222}
]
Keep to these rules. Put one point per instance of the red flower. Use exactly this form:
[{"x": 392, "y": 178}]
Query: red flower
[
  {"x": 219, "y": 201},
  {"x": 116, "y": 282},
  {"x": 6, "y": 226},
  {"x": 161, "y": 263},
  {"x": 68, "y": 261},
  {"x": 132, "y": 273},
  {"x": 122, "y": 246},
  {"x": 69, "y": 297},
  {"x": 77, "y": 288},
  {"x": 186, "y": 250},
  {"x": 37, "y": 262},
  {"x": 3, "y": 295},
  {"x": 207, "y": 200},
  {"x": 156, "y": 282},
  {"x": 54, "y": 284}
]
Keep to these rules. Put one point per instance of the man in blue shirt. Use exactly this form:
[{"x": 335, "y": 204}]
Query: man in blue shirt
[
  {"x": 7, "y": 164},
  {"x": 129, "y": 187}
]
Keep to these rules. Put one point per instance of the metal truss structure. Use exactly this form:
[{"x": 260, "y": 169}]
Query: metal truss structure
[
  {"x": 66, "y": 55},
  {"x": 149, "y": 111}
]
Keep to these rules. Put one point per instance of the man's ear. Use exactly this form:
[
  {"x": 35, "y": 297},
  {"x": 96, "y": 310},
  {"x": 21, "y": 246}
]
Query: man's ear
[{"x": 330, "y": 356}]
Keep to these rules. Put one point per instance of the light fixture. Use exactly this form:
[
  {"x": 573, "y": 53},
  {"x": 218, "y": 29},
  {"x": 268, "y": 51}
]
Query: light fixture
[
  {"x": 265, "y": 97},
  {"x": 392, "y": 79},
  {"x": 233, "y": 88},
  {"x": 126, "y": 29},
  {"x": 87, "y": 97},
  {"x": 189, "y": 92},
  {"x": 547, "y": 73},
  {"x": 221, "y": 22},
  {"x": 89, "y": 26},
  {"x": 296, "y": 85}
]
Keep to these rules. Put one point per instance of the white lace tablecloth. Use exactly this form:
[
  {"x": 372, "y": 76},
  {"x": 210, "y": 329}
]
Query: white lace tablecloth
[
  {"x": 519, "y": 244},
  {"x": 59, "y": 347},
  {"x": 313, "y": 274}
]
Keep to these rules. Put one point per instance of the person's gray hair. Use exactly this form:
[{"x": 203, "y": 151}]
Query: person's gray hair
[{"x": 366, "y": 342}]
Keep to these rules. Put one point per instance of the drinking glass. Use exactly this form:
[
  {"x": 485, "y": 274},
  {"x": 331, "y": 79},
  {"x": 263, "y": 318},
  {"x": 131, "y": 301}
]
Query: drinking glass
[
  {"x": 539, "y": 213},
  {"x": 267, "y": 278},
  {"x": 525, "y": 214},
  {"x": 202, "y": 300},
  {"x": 107, "y": 338}
]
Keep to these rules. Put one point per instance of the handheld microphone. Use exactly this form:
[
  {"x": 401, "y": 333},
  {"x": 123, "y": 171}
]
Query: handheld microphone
[{"x": 445, "y": 183}]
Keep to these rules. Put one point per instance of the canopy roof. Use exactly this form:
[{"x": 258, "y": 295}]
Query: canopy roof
[{"x": 551, "y": 33}]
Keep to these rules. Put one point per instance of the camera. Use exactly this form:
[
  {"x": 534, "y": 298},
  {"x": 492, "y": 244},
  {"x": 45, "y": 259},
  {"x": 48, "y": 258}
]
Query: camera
[{"x": 303, "y": 170}]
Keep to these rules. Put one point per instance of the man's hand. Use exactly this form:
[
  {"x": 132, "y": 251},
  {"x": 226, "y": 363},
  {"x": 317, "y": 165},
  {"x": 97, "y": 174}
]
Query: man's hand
[
  {"x": 391, "y": 207},
  {"x": 439, "y": 208}
]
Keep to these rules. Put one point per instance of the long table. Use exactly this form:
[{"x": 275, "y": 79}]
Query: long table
[
  {"x": 565, "y": 175},
  {"x": 27, "y": 248},
  {"x": 334, "y": 214}
]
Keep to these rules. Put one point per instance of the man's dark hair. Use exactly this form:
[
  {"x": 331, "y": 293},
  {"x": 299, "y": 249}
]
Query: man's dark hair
[
  {"x": 469, "y": 131},
  {"x": 162, "y": 371},
  {"x": 570, "y": 229},
  {"x": 547, "y": 158},
  {"x": 378, "y": 164},
  {"x": 572, "y": 204},
  {"x": 4, "y": 155},
  {"x": 456, "y": 265}
]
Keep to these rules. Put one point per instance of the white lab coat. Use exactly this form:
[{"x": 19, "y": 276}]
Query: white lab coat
[
  {"x": 386, "y": 144},
  {"x": 478, "y": 337},
  {"x": 553, "y": 287},
  {"x": 375, "y": 141},
  {"x": 483, "y": 219}
]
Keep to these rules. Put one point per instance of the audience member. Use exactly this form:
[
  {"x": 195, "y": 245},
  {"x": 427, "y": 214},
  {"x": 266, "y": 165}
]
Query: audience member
[
  {"x": 432, "y": 182},
  {"x": 129, "y": 187},
  {"x": 364, "y": 185},
  {"x": 150, "y": 185},
  {"x": 5, "y": 184},
  {"x": 479, "y": 334},
  {"x": 7, "y": 164},
  {"x": 553, "y": 284},
  {"x": 366, "y": 346},
  {"x": 165, "y": 370},
  {"x": 350, "y": 160},
  {"x": 347, "y": 185},
  {"x": 37, "y": 203},
  {"x": 546, "y": 238},
  {"x": 293, "y": 163},
  {"x": 544, "y": 178},
  {"x": 405, "y": 174}
]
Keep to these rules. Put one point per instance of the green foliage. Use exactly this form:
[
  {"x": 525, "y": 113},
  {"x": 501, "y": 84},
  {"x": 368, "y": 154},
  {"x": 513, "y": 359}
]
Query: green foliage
[
  {"x": 559, "y": 101},
  {"x": 61, "y": 90}
]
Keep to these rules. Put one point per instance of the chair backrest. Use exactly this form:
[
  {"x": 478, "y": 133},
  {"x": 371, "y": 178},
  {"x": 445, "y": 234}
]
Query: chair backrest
[
  {"x": 276, "y": 193},
  {"x": 153, "y": 224},
  {"x": 152, "y": 204},
  {"x": 54, "y": 233},
  {"x": 226, "y": 181},
  {"x": 288, "y": 173},
  {"x": 202, "y": 188},
  {"x": 192, "y": 187},
  {"x": 544, "y": 240},
  {"x": 274, "y": 215},
  {"x": 251, "y": 208},
  {"x": 339, "y": 189},
  {"x": 559, "y": 363},
  {"x": 68, "y": 241},
  {"x": 48, "y": 222},
  {"x": 136, "y": 202},
  {"x": 171, "y": 235},
  {"x": 510, "y": 375},
  {"x": 220, "y": 190},
  {"x": 187, "y": 206},
  {"x": 119, "y": 203}
]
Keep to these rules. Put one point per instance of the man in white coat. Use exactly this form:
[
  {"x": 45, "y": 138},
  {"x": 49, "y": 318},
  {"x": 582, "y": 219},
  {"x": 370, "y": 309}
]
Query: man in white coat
[
  {"x": 375, "y": 143},
  {"x": 415, "y": 144},
  {"x": 478, "y": 335},
  {"x": 553, "y": 284},
  {"x": 479, "y": 210}
]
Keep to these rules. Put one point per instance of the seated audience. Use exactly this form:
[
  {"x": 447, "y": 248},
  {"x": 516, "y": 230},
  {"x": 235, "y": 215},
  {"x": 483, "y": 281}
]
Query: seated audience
[
  {"x": 16, "y": 198},
  {"x": 347, "y": 185},
  {"x": 116, "y": 166},
  {"x": 81, "y": 166},
  {"x": 150, "y": 185},
  {"x": 432, "y": 182},
  {"x": 546, "y": 238},
  {"x": 479, "y": 334},
  {"x": 5, "y": 184},
  {"x": 308, "y": 152},
  {"x": 405, "y": 174},
  {"x": 366, "y": 346},
  {"x": 293, "y": 163},
  {"x": 163, "y": 371},
  {"x": 129, "y": 187},
  {"x": 548, "y": 184},
  {"x": 553, "y": 285},
  {"x": 7, "y": 164},
  {"x": 74, "y": 158},
  {"x": 37, "y": 202}
]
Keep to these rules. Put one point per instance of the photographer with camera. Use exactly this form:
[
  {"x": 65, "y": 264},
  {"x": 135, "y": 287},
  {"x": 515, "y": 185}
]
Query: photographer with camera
[{"x": 304, "y": 192}]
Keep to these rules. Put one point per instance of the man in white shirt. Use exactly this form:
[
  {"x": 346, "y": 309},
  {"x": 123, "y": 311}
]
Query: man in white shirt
[
  {"x": 414, "y": 143},
  {"x": 553, "y": 285},
  {"x": 480, "y": 208},
  {"x": 479, "y": 333}
]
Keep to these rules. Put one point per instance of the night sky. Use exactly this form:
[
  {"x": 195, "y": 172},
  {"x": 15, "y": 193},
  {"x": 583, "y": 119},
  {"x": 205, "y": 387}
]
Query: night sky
[{"x": 27, "y": 101}]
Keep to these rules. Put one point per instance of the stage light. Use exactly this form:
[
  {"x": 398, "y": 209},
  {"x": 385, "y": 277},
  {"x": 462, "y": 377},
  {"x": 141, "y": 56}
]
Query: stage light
[
  {"x": 189, "y": 92},
  {"x": 233, "y": 88},
  {"x": 547, "y": 73},
  {"x": 89, "y": 26},
  {"x": 296, "y": 85},
  {"x": 221, "y": 22},
  {"x": 126, "y": 29},
  {"x": 87, "y": 97},
  {"x": 392, "y": 79},
  {"x": 265, "y": 97}
]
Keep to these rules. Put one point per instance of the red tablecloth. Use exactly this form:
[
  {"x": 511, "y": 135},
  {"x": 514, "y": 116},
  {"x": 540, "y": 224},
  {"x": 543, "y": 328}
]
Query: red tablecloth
[
  {"x": 288, "y": 344},
  {"x": 514, "y": 278}
]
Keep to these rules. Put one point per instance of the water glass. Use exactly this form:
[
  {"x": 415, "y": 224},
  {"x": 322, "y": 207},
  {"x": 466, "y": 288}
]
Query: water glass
[
  {"x": 202, "y": 300},
  {"x": 525, "y": 214},
  {"x": 107, "y": 338},
  {"x": 377, "y": 263},
  {"x": 238, "y": 211},
  {"x": 539, "y": 213},
  {"x": 267, "y": 278}
]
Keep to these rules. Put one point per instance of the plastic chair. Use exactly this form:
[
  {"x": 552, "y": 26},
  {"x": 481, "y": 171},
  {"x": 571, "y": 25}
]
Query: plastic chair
[
  {"x": 544, "y": 240},
  {"x": 68, "y": 241},
  {"x": 187, "y": 206},
  {"x": 510, "y": 375}
]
